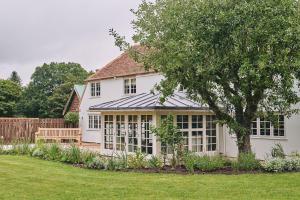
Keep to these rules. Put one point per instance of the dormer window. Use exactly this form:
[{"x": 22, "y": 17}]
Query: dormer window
[
  {"x": 130, "y": 86},
  {"x": 95, "y": 89}
]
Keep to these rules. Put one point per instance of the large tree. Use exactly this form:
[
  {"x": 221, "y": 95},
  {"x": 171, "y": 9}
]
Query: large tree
[
  {"x": 49, "y": 89},
  {"x": 15, "y": 78},
  {"x": 10, "y": 93},
  {"x": 240, "y": 57}
]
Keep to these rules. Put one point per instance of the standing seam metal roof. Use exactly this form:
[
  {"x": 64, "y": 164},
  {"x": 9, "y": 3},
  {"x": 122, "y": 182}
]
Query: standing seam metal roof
[{"x": 150, "y": 101}]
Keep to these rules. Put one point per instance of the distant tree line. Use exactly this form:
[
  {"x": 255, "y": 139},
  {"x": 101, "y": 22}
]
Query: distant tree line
[{"x": 45, "y": 95}]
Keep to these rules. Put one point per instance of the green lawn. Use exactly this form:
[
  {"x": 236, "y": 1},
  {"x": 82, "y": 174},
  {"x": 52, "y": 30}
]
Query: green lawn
[{"x": 29, "y": 178}]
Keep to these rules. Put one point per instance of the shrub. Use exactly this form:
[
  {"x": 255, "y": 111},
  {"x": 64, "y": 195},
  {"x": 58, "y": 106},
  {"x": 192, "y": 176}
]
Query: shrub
[
  {"x": 190, "y": 161},
  {"x": 19, "y": 147},
  {"x": 155, "y": 162},
  {"x": 136, "y": 161},
  {"x": 37, "y": 152},
  {"x": 95, "y": 163},
  {"x": 246, "y": 161},
  {"x": 72, "y": 118},
  {"x": 281, "y": 164},
  {"x": 113, "y": 164},
  {"x": 71, "y": 155},
  {"x": 209, "y": 163},
  {"x": 277, "y": 151},
  {"x": 274, "y": 165},
  {"x": 53, "y": 152},
  {"x": 87, "y": 156},
  {"x": 2, "y": 145}
]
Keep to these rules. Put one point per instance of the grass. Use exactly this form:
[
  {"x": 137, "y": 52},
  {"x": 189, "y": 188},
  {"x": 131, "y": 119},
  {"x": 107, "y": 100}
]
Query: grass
[{"x": 24, "y": 178}]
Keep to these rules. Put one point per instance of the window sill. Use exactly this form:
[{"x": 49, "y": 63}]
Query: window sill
[
  {"x": 95, "y": 97},
  {"x": 127, "y": 95},
  {"x": 266, "y": 137},
  {"x": 93, "y": 130}
]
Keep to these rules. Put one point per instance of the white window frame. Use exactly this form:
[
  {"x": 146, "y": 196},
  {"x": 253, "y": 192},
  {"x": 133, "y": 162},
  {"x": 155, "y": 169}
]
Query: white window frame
[
  {"x": 95, "y": 89},
  {"x": 92, "y": 118},
  {"x": 129, "y": 88},
  {"x": 197, "y": 129},
  {"x": 272, "y": 129}
]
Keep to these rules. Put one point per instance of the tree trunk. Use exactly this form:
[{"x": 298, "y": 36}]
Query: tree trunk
[{"x": 244, "y": 145}]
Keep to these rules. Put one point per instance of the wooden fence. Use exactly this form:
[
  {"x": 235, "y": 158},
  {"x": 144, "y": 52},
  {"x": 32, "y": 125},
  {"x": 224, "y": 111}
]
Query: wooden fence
[{"x": 25, "y": 128}]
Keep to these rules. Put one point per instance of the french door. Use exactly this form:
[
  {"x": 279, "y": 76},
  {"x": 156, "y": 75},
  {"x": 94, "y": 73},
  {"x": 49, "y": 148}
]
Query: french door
[
  {"x": 120, "y": 133},
  {"x": 132, "y": 133},
  {"x": 108, "y": 131},
  {"x": 146, "y": 135}
]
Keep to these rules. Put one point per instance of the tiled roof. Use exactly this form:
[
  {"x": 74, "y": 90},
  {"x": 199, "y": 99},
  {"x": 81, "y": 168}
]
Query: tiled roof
[
  {"x": 123, "y": 65},
  {"x": 78, "y": 90},
  {"x": 150, "y": 101}
]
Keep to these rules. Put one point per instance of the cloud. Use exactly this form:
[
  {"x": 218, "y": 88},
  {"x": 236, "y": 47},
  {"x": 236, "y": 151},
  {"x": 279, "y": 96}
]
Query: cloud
[{"x": 34, "y": 32}]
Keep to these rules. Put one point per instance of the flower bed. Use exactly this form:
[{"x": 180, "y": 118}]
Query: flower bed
[{"x": 188, "y": 163}]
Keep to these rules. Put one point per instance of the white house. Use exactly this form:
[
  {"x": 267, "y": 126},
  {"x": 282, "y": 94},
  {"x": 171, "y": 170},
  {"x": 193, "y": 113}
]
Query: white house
[{"x": 117, "y": 109}]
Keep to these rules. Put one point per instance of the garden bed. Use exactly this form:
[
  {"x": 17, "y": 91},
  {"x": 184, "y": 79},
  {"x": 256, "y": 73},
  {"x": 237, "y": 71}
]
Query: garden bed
[{"x": 188, "y": 163}]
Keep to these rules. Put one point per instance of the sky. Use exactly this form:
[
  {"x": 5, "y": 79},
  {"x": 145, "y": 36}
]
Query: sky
[{"x": 33, "y": 32}]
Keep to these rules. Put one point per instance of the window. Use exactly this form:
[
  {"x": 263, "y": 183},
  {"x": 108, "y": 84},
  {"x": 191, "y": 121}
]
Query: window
[
  {"x": 183, "y": 125},
  {"x": 164, "y": 147},
  {"x": 95, "y": 89},
  {"x": 197, "y": 121},
  {"x": 197, "y": 141},
  {"x": 279, "y": 127},
  {"x": 211, "y": 133},
  {"x": 132, "y": 133},
  {"x": 94, "y": 121},
  {"x": 121, "y": 133},
  {"x": 183, "y": 121},
  {"x": 146, "y": 135},
  {"x": 265, "y": 127},
  {"x": 130, "y": 86},
  {"x": 108, "y": 131},
  {"x": 254, "y": 128}
]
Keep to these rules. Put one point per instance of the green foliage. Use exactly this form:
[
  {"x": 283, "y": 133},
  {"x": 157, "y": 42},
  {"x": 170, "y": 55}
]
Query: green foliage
[
  {"x": 53, "y": 152},
  {"x": 15, "y": 78},
  {"x": 95, "y": 163},
  {"x": 210, "y": 163},
  {"x": 169, "y": 135},
  {"x": 190, "y": 160},
  {"x": 155, "y": 162},
  {"x": 1, "y": 145},
  {"x": 274, "y": 165},
  {"x": 87, "y": 156},
  {"x": 115, "y": 163},
  {"x": 137, "y": 160},
  {"x": 49, "y": 89},
  {"x": 10, "y": 93},
  {"x": 72, "y": 117},
  {"x": 237, "y": 57},
  {"x": 38, "y": 153},
  {"x": 204, "y": 163},
  {"x": 71, "y": 155},
  {"x": 277, "y": 151},
  {"x": 246, "y": 161},
  {"x": 19, "y": 147}
]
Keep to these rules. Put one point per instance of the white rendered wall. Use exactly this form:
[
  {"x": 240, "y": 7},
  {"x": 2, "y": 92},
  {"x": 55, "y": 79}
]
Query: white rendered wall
[
  {"x": 262, "y": 145},
  {"x": 111, "y": 89}
]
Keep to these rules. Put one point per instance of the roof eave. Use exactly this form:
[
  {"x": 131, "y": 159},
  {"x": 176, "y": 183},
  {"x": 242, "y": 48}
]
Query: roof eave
[{"x": 150, "y": 108}]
